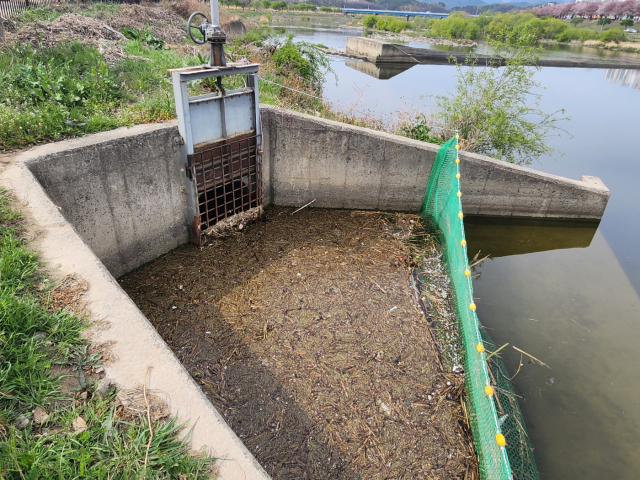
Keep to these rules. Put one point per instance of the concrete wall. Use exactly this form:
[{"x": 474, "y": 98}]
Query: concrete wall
[
  {"x": 121, "y": 190},
  {"x": 344, "y": 166}
]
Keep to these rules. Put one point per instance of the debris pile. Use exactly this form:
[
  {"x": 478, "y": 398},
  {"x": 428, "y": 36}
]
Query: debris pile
[{"x": 305, "y": 333}]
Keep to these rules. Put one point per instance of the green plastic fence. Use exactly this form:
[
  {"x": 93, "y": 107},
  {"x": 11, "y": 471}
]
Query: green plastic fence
[{"x": 503, "y": 446}]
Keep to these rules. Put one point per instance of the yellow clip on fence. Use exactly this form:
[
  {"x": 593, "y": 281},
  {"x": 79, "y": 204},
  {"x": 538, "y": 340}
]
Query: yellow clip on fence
[{"x": 502, "y": 444}]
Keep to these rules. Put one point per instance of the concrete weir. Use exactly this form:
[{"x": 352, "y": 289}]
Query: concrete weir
[
  {"x": 103, "y": 205},
  {"x": 384, "y": 53}
]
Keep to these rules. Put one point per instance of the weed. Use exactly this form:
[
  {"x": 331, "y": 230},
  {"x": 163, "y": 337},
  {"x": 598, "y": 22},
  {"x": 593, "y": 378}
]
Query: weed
[
  {"x": 51, "y": 93},
  {"x": 144, "y": 36},
  {"x": 421, "y": 129},
  {"x": 33, "y": 340}
]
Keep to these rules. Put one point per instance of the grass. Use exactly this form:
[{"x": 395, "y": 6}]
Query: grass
[
  {"x": 69, "y": 90},
  {"x": 51, "y": 93},
  {"x": 36, "y": 341}
]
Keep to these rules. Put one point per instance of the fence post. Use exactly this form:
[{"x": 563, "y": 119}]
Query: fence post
[{"x": 1, "y": 30}]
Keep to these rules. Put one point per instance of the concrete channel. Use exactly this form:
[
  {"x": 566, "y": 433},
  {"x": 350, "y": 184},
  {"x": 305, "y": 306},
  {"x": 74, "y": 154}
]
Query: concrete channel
[{"x": 101, "y": 206}]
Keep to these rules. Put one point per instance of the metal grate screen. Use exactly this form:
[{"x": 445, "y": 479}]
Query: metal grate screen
[{"x": 228, "y": 180}]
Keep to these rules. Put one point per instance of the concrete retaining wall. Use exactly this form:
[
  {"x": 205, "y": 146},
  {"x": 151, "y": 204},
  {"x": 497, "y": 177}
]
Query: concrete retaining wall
[
  {"x": 121, "y": 190},
  {"x": 381, "y": 52},
  {"x": 343, "y": 166}
]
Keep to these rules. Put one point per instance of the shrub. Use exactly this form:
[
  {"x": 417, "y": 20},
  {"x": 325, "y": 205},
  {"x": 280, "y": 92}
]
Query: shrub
[
  {"x": 301, "y": 59},
  {"x": 497, "y": 110},
  {"x": 305, "y": 7},
  {"x": 613, "y": 35},
  {"x": 370, "y": 21},
  {"x": 390, "y": 24}
]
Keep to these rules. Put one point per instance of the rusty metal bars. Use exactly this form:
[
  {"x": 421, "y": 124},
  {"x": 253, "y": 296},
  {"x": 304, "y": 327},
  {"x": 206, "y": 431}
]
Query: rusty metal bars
[{"x": 228, "y": 180}]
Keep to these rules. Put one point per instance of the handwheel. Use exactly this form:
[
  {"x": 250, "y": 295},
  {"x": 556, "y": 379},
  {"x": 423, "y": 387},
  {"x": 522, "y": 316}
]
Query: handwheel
[{"x": 191, "y": 26}]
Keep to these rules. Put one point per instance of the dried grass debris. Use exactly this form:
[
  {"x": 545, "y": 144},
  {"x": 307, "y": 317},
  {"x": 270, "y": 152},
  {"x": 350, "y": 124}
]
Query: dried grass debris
[
  {"x": 289, "y": 328},
  {"x": 133, "y": 405},
  {"x": 69, "y": 295}
]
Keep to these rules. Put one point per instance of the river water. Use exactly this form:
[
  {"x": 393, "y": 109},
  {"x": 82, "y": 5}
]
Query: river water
[{"x": 567, "y": 295}]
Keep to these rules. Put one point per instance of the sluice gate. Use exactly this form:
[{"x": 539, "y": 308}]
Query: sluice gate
[{"x": 220, "y": 132}]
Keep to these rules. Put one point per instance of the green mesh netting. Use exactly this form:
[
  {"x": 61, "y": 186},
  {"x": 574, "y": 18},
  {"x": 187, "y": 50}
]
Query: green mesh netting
[{"x": 489, "y": 415}]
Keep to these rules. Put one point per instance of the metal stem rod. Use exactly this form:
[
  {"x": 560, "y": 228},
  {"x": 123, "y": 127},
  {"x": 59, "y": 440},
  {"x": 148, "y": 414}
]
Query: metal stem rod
[{"x": 215, "y": 13}]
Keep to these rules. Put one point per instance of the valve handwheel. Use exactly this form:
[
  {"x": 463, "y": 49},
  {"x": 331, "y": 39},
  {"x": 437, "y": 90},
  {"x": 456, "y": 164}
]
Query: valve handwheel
[{"x": 194, "y": 24}]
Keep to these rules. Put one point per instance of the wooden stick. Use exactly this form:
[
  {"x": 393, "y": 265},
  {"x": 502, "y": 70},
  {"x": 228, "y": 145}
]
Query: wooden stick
[
  {"x": 493, "y": 353},
  {"x": 479, "y": 261},
  {"x": 304, "y": 206},
  {"x": 532, "y": 357},
  {"x": 519, "y": 367}
]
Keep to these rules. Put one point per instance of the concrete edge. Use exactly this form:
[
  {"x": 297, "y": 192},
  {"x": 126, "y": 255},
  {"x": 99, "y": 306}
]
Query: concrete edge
[
  {"x": 134, "y": 344},
  {"x": 586, "y": 182},
  {"x": 39, "y": 151}
]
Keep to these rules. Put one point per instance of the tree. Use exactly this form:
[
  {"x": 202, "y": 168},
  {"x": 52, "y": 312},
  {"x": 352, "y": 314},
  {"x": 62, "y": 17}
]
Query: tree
[
  {"x": 627, "y": 22},
  {"x": 576, "y": 20},
  {"x": 279, "y": 5},
  {"x": 604, "y": 21},
  {"x": 497, "y": 110}
]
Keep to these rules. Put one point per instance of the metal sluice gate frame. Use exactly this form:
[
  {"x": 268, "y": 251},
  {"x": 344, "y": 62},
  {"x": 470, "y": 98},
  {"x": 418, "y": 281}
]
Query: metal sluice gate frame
[{"x": 221, "y": 133}]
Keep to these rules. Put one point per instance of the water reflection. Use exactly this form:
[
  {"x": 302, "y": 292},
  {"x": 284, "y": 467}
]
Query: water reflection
[
  {"x": 381, "y": 72},
  {"x": 501, "y": 237},
  {"x": 624, "y": 77}
]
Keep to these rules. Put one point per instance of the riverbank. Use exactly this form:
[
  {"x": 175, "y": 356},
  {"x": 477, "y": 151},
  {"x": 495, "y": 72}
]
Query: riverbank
[{"x": 627, "y": 47}]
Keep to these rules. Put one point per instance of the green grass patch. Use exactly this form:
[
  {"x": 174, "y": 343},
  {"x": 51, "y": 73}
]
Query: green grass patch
[
  {"x": 68, "y": 90},
  {"x": 35, "y": 341}
]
